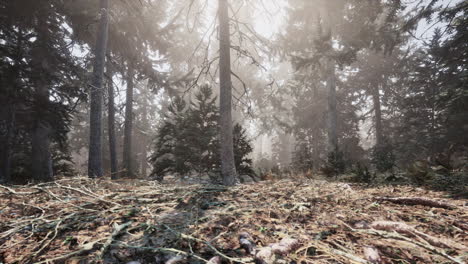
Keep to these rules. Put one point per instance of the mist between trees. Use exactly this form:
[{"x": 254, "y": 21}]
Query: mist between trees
[{"x": 228, "y": 91}]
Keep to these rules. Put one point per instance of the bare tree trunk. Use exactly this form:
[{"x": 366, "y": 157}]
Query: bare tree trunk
[
  {"x": 228, "y": 169},
  {"x": 378, "y": 116},
  {"x": 145, "y": 124},
  {"x": 332, "y": 111},
  {"x": 41, "y": 158},
  {"x": 127, "y": 151},
  {"x": 95, "y": 124},
  {"x": 7, "y": 142},
  {"x": 111, "y": 123}
]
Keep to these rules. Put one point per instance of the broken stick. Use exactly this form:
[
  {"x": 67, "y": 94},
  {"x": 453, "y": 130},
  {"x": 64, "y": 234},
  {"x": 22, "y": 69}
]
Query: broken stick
[{"x": 416, "y": 201}]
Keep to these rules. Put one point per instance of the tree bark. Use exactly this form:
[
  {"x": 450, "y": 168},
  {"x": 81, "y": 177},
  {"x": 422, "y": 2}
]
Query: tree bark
[
  {"x": 378, "y": 116},
  {"x": 228, "y": 169},
  {"x": 95, "y": 128},
  {"x": 332, "y": 111},
  {"x": 145, "y": 123},
  {"x": 7, "y": 142},
  {"x": 111, "y": 123},
  {"x": 41, "y": 161},
  {"x": 127, "y": 151}
]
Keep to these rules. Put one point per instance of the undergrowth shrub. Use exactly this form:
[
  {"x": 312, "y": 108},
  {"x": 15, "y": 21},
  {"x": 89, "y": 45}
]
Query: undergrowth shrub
[
  {"x": 383, "y": 157},
  {"x": 454, "y": 182},
  {"x": 362, "y": 173},
  {"x": 335, "y": 164}
]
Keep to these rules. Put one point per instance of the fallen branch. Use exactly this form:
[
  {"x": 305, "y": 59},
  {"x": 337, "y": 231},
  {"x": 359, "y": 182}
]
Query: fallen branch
[
  {"x": 182, "y": 235},
  {"x": 117, "y": 231},
  {"x": 416, "y": 201},
  {"x": 397, "y": 236},
  {"x": 336, "y": 252},
  {"x": 46, "y": 244},
  {"x": 10, "y": 190},
  {"x": 157, "y": 250},
  {"x": 93, "y": 195},
  {"x": 411, "y": 231},
  {"x": 85, "y": 249},
  {"x": 51, "y": 194}
]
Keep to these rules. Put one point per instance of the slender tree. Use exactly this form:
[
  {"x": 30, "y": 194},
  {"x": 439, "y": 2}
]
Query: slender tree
[
  {"x": 332, "y": 111},
  {"x": 41, "y": 156},
  {"x": 127, "y": 149},
  {"x": 95, "y": 128},
  {"x": 228, "y": 169},
  {"x": 329, "y": 22},
  {"x": 111, "y": 122}
]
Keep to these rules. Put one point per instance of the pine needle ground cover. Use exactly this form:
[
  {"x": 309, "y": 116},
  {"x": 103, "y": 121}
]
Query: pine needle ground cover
[{"x": 99, "y": 221}]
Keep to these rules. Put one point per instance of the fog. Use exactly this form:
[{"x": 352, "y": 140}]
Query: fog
[{"x": 150, "y": 88}]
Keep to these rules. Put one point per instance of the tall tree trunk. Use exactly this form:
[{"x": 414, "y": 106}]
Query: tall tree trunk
[
  {"x": 228, "y": 169},
  {"x": 41, "y": 160},
  {"x": 95, "y": 124},
  {"x": 378, "y": 116},
  {"x": 145, "y": 124},
  {"x": 127, "y": 151},
  {"x": 332, "y": 111},
  {"x": 111, "y": 123},
  {"x": 7, "y": 142}
]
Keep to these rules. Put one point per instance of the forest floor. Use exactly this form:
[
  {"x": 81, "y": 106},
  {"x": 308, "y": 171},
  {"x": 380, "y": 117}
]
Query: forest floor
[{"x": 287, "y": 221}]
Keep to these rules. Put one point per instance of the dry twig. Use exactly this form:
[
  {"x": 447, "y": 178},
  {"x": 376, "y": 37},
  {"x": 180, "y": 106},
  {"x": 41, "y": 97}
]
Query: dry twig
[{"x": 416, "y": 201}]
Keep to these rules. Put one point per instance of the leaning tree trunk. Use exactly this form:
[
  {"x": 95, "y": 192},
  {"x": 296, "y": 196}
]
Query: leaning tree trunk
[
  {"x": 95, "y": 123},
  {"x": 41, "y": 160},
  {"x": 378, "y": 116},
  {"x": 332, "y": 111},
  {"x": 111, "y": 123},
  {"x": 127, "y": 151},
  {"x": 228, "y": 169}
]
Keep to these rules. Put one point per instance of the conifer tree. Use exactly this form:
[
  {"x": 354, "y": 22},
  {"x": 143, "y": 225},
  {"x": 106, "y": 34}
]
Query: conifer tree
[
  {"x": 40, "y": 84},
  {"x": 242, "y": 150},
  {"x": 202, "y": 130},
  {"x": 188, "y": 139},
  {"x": 171, "y": 154}
]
